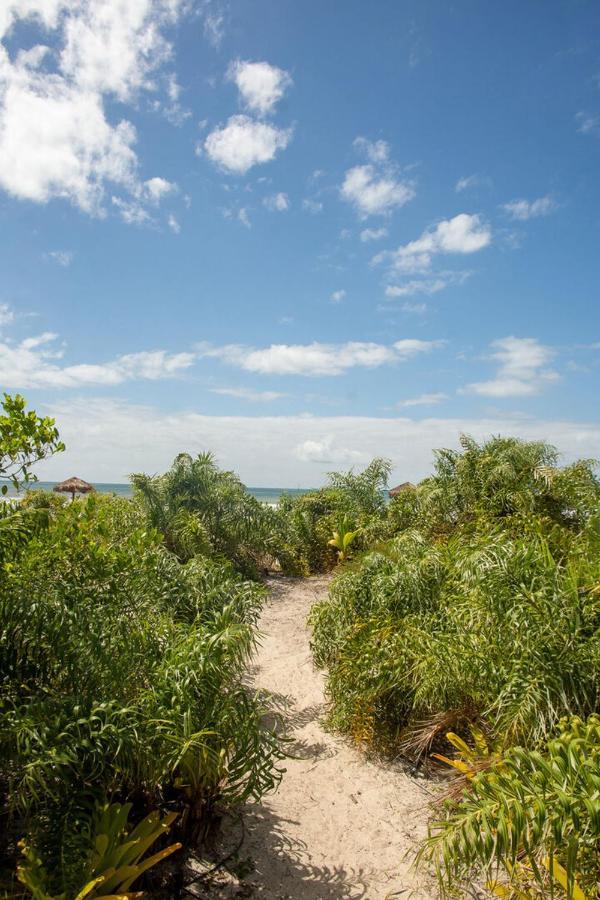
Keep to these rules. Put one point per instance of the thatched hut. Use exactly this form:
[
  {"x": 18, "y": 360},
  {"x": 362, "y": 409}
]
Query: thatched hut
[
  {"x": 74, "y": 486},
  {"x": 401, "y": 488}
]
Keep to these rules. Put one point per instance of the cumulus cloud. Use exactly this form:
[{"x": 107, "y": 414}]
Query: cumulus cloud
[
  {"x": 530, "y": 209},
  {"x": 337, "y": 296},
  {"x": 375, "y": 188},
  {"x": 521, "y": 370},
  {"x": 277, "y": 202},
  {"x": 260, "y": 84},
  {"x": 243, "y": 142},
  {"x": 372, "y": 193},
  {"x": 108, "y": 439},
  {"x": 461, "y": 235},
  {"x": 36, "y": 363},
  {"x": 326, "y": 451},
  {"x": 56, "y": 138},
  {"x": 157, "y": 188},
  {"x": 317, "y": 358}
]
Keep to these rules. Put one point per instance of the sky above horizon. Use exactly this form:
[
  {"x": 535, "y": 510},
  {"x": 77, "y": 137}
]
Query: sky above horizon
[{"x": 299, "y": 234}]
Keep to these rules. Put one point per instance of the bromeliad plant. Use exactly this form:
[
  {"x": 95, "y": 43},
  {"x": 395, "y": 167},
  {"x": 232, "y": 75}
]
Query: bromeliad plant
[
  {"x": 111, "y": 863},
  {"x": 343, "y": 537},
  {"x": 529, "y": 823}
]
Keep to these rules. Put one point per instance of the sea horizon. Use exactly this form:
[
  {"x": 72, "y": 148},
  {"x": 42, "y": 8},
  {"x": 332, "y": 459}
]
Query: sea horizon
[{"x": 125, "y": 489}]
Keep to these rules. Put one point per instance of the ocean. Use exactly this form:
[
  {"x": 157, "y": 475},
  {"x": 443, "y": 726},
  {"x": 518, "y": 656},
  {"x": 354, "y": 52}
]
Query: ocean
[{"x": 269, "y": 495}]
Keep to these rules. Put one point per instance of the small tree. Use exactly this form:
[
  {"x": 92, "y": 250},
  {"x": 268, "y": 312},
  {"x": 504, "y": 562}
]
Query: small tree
[{"x": 25, "y": 438}]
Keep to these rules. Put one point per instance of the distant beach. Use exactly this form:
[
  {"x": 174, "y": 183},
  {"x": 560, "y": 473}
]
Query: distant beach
[{"x": 268, "y": 495}]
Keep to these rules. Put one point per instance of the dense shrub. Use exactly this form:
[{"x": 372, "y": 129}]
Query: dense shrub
[
  {"x": 121, "y": 674},
  {"x": 484, "y": 601},
  {"x": 203, "y": 510},
  {"x": 530, "y": 822},
  {"x": 306, "y": 524}
]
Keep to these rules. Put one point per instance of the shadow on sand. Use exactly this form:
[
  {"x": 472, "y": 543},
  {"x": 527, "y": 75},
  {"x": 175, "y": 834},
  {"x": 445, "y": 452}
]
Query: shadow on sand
[{"x": 272, "y": 865}]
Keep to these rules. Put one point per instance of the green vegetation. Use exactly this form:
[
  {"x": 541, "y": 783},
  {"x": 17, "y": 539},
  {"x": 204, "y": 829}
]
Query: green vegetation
[
  {"x": 306, "y": 526},
  {"x": 464, "y": 613},
  {"x": 121, "y": 681},
  {"x": 480, "y": 607}
]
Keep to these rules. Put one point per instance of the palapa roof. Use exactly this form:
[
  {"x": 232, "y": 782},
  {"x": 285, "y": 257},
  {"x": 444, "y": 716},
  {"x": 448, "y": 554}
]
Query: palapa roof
[
  {"x": 74, "y": 486},
  {"x": 405, "y": 486}
]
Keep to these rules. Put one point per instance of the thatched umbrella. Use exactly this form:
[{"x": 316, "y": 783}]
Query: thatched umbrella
[
  {"x": 74, "y": 486},
  {"x": 401, "y": 488}
]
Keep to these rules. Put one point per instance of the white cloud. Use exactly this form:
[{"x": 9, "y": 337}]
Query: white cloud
[
  {"x": 427, "y": 286},
  {"x": 522, "y": 369},
  {"x": 214, "y": 24},
  {"x": 530, "y": 209},
  {"x": 157, "y": 188},
  {"x": 424, "y": 400},
  {"x": 132, "y": 211},
  {"x": 337, "y": 296},
  {"x": 472, "y": 181},
  {"x": 277, "y": 202},
  {"x": 373, "y": 234},
  {"x": 63, "y": 258},
  {"x": 260, "y": 84},
  {"x": 35, "y": 363},
  {"x": 56, "y": 140},
  {"x": 587, "y": 123},
  {"x": 417, "y": 309},
  {"x": 325, "y": 451},
  {"x": 317, "y": 358},
  {"x": 461, "y": 235},
  {"x": 243, "y": 143},
  {"x": 244, "y": 218},
  {"x": 376, "y": 151},
  {"x": 243, "y": 393},
  {"x": 375, "y": 188},
  {"x": 374, "y": 194},
  {"x": 312, "y": 206},
  {"x": 6, "y": 314},
  {"x": 106, "y": 439},
  {"x": 173, "y": 224}
]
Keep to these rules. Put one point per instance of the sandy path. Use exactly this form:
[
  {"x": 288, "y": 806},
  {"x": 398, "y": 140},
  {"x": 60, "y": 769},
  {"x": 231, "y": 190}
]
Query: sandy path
[{"x": 339, "y": 826}]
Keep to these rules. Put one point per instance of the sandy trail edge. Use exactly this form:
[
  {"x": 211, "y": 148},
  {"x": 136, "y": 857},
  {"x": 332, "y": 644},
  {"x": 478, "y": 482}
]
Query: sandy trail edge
[{"x": 339, "y": 826}]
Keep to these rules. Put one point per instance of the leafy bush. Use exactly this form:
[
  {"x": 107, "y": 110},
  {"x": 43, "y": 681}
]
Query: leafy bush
[
  {"x": 305, "y": 524},
  {"x": 121, "y": 674},
  {"x": 201, "y": 509},
  {"x": 532, "y": 818},
  {"x": 497, "y": 615}
]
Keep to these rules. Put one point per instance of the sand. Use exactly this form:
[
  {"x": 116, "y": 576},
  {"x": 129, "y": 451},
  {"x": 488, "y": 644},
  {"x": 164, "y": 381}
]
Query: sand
[{"x": 339, "y": 825}]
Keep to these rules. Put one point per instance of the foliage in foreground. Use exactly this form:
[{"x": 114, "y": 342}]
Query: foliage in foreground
[
  {"x": 487, "y": 609},
  {"x": 481, "y": 608},
  {"x": 531, "y": 820},
  {"x": 114, "y": 860},
  {"x": 121, "y": 676}
]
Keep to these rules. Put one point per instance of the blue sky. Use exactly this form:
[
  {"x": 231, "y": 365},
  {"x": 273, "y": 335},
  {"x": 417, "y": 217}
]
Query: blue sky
[{"x": 299, "y": 234}]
